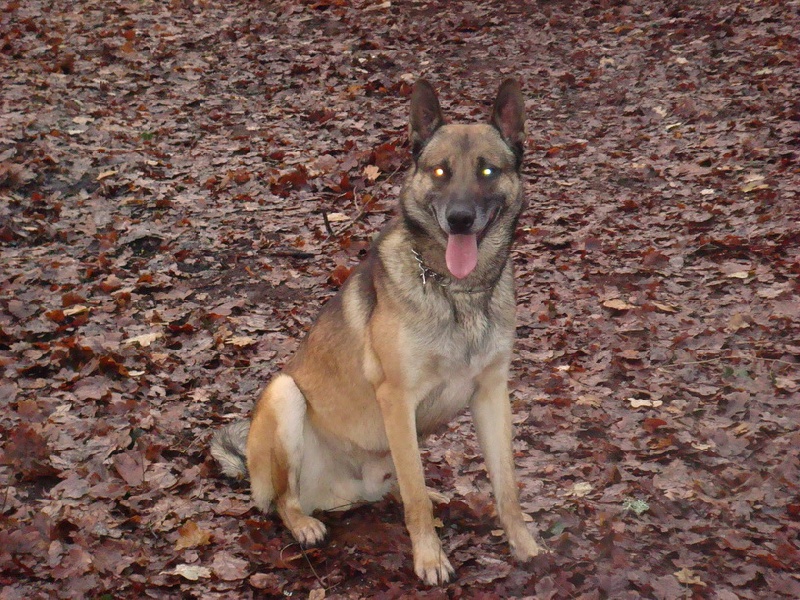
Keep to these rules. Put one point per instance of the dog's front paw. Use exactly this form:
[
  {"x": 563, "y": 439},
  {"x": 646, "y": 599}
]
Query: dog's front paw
[
  {"x": 524, "y": 546},
  {"x": 432, "y": 566},
  {"x": 308, "y": 530}
]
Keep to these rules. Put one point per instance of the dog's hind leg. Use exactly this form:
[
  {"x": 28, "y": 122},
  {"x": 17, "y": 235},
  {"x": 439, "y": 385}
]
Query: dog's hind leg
[{"x": 275, "y": 454}]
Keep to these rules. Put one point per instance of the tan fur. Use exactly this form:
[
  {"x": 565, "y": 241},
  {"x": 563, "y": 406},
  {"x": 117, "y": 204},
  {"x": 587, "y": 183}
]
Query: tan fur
[{"x": 392, "y": 358}]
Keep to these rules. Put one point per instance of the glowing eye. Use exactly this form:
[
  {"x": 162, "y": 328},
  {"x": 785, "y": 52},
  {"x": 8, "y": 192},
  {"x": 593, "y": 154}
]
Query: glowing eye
[
  {"x": 438, "y": 172},
  {"x": 487, "y": 171}
]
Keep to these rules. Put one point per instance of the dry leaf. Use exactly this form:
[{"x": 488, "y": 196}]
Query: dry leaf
[
  {"x": 228, "y": 567},
  {"x": 337, "y": 217},
  {"x": 617, "y": 304},
  {"x": 688, "y": 577},
  {"x": 581, "y": 489},
  {"x": 665, "y": 307},
  {"x": 145, "y": 339},
  {"x": 630, "y": 354},
  {"x": 371, "y": 172},
  {"x": 640, "y": 402},
  {"x": 737, "y": 322},
  {"x": 786, "y": 383},
  {"x": 588, "y": 400},
  {"x": 701, "y": 446},
  {"x": 74, "y": 310},
  {"x": 741, "y": 429},
  {"x": 190, "y": 536},
  {"x": 753, "y": 183},
  {"x": 190, "y": 572}
]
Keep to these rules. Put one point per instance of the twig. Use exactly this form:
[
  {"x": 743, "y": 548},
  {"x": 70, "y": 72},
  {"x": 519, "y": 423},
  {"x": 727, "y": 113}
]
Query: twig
[
  {"x": 328, "y": 227},
  {"x": 305, "y": 556},
  {"x": 290, "y": 253},
  {"x": 361, "y": 213},
  {"x": 364, "y": 210}
]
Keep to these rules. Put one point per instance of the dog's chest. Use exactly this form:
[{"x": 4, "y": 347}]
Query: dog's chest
[{"x": 457, "y": 361}]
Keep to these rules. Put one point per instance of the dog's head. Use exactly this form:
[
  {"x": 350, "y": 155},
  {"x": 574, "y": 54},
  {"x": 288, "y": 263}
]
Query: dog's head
[{"x": 465, "y": 188}]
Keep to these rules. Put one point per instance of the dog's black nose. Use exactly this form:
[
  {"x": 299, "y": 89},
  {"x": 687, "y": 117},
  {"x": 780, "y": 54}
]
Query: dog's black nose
[{"x": 460, "y": 219}]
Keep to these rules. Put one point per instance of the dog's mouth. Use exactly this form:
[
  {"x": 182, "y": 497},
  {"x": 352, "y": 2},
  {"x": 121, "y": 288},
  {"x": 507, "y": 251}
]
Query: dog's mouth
[{"x": 461, "y": 254}]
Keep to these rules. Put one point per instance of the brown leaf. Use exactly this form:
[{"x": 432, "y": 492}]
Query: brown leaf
[
  {"x": 92, "y": 388},
  {"x": 228, "y": 567},
  {"x": 130, "y": 466},
  {"x": 340, "y": 275},
  {"x": 28, "y": 452},
  {"x": 190, "y": 535},
  {"x": 71, "y": 298},
  {"x": 618, "y": 304},
  {"x": 76, "y": 562}
]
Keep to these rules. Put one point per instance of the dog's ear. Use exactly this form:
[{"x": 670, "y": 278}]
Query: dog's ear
[
  {"x": 508, "y": 116},
  {"x": 426, "y": 116}
]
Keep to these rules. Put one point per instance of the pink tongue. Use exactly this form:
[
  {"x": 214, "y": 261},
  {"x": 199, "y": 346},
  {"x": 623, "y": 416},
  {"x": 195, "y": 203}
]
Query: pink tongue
[{"x": 461, "y": 254}]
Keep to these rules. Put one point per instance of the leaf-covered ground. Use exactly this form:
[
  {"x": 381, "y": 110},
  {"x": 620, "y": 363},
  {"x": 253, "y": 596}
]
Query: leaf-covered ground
[{"x": 183, "y": 184}]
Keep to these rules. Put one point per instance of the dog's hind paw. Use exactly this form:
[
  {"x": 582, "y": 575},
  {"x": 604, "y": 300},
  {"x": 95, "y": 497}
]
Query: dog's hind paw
[{"x": 308, "y": 530}]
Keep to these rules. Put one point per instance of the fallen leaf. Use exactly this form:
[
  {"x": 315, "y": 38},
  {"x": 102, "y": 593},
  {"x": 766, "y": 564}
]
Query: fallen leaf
[
  {"x": 228, "y": 567},
  {"x": 190, "y": 572},
  {"x": 581, "y": 489},
  {"x": 371, "y": 172},
  {"x": 130, "y": 466},
  {"x": 145, "y": 339},
  {"x": 787, "y": 384},
  {"x": 643, "y": 402},
  {"x": 337, "y": 217},
  {"x": 190, "y": 535},
  {"x": 738, "y": 321},
  {"x": 741, "y": 429},
  {"x": 688, "y": 577},
  {"x": 588, "y": 400},
  {"x": 241, "y": 341},
  {"x": 702, "y": 446},
  {"x": 754, "y": 183},
  {"x": 617, "y": 304},
  {"x": 665, "y": 307}
]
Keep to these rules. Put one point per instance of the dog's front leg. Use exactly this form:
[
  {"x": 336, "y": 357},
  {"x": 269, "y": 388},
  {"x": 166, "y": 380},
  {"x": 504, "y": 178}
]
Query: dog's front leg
[
  {"x": 491, "y": 412},
  {"x": 430, "y": 561}
]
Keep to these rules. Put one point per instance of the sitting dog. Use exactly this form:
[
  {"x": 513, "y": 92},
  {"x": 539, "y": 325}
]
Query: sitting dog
[{"x": 421, "y": 329}]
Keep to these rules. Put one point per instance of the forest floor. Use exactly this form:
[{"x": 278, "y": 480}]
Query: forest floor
[{"x": 166, "y": 171}]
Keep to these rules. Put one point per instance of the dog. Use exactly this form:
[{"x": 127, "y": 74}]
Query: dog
[{"x": 421, "y": 329}]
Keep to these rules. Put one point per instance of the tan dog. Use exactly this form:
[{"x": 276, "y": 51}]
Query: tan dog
[{"x": 421, "y": 329}]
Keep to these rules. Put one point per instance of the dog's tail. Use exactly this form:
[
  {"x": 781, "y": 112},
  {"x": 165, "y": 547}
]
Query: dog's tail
[{"x": 228, "y": 447}]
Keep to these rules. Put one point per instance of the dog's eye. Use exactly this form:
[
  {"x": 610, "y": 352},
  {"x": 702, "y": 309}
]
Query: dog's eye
[
  {"x": 488, "y": 172},
  {"x": 439, "y": 172}
]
